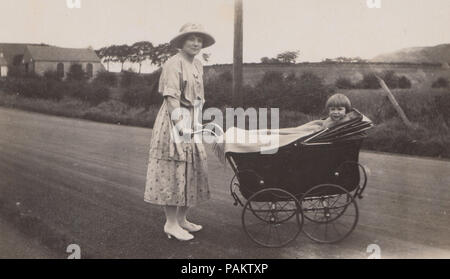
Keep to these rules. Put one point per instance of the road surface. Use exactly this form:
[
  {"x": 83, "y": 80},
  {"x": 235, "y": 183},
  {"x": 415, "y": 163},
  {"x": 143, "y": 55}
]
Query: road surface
[
  {"x": 85, "y": 181},
  {"x": 15, "y": 245}
]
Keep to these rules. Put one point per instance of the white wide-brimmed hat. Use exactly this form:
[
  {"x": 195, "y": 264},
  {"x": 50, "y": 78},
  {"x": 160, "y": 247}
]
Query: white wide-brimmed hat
[{"x": 192, "y": 28}]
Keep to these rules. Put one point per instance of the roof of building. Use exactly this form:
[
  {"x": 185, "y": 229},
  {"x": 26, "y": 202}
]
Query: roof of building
[
  {"x": 14, "y": 53},
  {"x": 10, "y": 51},
  {"x": 52, "y": 53}
]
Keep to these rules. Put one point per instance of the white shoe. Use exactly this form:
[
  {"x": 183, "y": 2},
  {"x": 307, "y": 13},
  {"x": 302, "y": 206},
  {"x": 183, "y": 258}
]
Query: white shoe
[
  {"x": 191, "y": 227},
  {"x": 179, "y": 233}
]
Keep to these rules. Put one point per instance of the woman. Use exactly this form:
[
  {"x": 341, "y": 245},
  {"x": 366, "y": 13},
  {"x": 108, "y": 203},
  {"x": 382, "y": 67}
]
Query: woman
[{"x": 177, "y": 170}]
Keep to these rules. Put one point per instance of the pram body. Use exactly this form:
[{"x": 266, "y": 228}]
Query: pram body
[{"x": 309, "y": 185}]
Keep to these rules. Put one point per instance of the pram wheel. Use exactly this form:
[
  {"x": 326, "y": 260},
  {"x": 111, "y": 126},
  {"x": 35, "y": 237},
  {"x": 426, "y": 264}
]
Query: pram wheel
[
  {"x": 331, "y": 213},
  {"x": 272, "y": 217}
]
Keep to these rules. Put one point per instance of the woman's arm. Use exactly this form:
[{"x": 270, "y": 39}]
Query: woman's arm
[
  {"x": 170, "y": 87},
  {"x": 173, "y": 104}
]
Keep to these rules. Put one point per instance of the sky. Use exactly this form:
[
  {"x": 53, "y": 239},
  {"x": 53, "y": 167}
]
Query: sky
[{"x": 319, "y": 29}]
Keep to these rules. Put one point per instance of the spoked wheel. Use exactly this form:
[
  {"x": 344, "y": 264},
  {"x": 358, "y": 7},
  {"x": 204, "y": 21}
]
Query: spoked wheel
[
  {"x": 331, "y": 213},
  {"x": 272, "y": 217}
]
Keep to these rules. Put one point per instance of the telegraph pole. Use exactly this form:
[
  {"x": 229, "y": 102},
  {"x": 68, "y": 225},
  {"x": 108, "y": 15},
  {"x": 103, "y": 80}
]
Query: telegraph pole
[{"x": 237, "y": 55}]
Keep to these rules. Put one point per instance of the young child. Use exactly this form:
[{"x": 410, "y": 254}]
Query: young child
[{"x": 337, "y": 107}]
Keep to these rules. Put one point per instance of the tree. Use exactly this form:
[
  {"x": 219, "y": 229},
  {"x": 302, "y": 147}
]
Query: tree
[
  {"x": 267, "y": 60},
  {"x": 121, "y": 54},
  {"x": 360, "y": 60},
  {"x": 391, "y": 79},
  {"x": 404, "y": 82},
  {"x": 328, "y": 60},
  {"x": 369, "y": 81},
  {"x": 342, "y": 59},
  {"x": 288, "y": 56},
  {"x": 161, "y": 53},
  {"x": 310, "y": 93},
  {"x": 440, "y": 83},
  {"x": 140, "y": 52},
  {"x": 343, "y": 83},
  {"x": 106, "y": 54},
  {"x": 206, "y": 56}
]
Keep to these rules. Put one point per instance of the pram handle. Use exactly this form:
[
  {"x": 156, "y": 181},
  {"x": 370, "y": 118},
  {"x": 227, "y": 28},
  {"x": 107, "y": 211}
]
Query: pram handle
[{"x": 203, "y": 129}]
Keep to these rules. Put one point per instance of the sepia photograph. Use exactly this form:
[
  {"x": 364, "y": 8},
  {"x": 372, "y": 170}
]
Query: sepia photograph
[{"x": 224, "y": 129}]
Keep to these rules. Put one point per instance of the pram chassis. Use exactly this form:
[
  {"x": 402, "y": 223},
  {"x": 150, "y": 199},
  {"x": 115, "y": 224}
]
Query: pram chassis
[{"x": 316, "y": 209}]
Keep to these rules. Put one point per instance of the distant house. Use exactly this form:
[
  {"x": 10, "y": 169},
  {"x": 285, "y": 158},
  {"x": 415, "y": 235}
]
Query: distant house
[
  {"x": 13, "y": 54},
  {"x": 38, "y": 59},
  {"x": 3, "y": 66}
]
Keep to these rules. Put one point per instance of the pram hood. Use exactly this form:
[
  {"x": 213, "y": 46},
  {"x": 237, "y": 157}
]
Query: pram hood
[{"x": 312, "y": 133}]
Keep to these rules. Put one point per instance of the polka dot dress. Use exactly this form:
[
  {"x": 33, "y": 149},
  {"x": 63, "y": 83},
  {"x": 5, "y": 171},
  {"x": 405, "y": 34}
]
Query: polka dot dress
[{"x": 177, "y": 172}]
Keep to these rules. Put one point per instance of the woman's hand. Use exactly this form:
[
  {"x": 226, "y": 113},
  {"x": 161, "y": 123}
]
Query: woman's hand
[
  {"x": 185, "y": 131},
  {"x": 172, "y": 105}
]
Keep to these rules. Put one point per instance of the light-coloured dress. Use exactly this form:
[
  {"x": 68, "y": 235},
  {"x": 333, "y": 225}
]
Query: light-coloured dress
[{"x": 177, "y": 171}]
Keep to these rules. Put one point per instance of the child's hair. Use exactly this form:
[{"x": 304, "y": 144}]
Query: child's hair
[{"x": 339, "y": 100}]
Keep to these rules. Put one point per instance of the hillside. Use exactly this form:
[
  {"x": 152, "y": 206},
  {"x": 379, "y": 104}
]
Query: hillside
[
  {"x": 420, "y": 75},
  {"x": 434, "y": 54}
]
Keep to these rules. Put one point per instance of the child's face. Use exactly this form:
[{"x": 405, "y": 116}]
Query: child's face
[{"x": 336, "y": 113}]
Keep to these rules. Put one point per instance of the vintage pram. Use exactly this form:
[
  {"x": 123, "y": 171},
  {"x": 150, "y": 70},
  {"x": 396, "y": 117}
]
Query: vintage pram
[{"x": 310, "y": 185}]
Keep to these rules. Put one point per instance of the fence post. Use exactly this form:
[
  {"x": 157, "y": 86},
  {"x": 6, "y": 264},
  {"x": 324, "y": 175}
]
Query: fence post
[{"x": 394, "y": 102}]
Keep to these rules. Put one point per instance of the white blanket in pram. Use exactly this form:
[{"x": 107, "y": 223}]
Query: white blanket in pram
[{"x": 243, "y": 141}]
